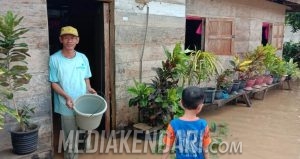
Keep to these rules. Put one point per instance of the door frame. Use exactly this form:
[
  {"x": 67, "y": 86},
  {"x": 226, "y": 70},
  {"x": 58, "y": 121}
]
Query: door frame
[{"x": 109, "y": 65}]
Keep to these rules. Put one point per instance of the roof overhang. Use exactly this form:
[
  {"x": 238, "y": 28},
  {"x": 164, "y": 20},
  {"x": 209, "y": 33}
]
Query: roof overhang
[{"x": 292, "y": 5}]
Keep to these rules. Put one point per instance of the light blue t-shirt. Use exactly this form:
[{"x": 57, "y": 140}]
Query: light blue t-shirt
[{"x": 70, "y": 74}]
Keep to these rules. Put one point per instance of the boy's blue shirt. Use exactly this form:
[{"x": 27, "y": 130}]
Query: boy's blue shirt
[
  {"x": 70, "y": 74},
  {"x": 189, "y": 138}
]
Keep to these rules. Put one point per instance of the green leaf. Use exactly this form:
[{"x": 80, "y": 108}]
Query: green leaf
[
  {"x": 18, "y": 69},
  {"x": 158, "y": 100},
  {"x": 18, "y": 57}
]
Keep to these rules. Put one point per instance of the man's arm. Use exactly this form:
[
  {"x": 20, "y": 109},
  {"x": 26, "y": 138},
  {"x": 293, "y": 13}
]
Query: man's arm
[
  {"x": 88, "y": 86},
  {"x": 56, "y": 87}
]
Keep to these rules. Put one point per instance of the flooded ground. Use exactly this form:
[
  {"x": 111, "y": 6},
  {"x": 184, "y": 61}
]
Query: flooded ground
[{"x": 270, "y": 129}]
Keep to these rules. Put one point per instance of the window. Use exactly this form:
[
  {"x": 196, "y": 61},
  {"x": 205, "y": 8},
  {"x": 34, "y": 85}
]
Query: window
[
  {"x": 194, "y": 33},
  {"x": 219, "y": 36},
  {"x": 210, "y": 34},
  {"x": 277, "y": 35}
]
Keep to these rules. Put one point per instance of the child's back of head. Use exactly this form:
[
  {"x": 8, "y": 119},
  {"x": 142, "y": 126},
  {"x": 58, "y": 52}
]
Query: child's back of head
[{"x": 192, "y": 97}]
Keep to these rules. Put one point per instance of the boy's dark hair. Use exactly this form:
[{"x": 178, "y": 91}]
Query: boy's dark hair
[{"x": 192, "y": 96}]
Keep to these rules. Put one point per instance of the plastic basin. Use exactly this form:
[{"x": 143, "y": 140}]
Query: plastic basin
[{"x": 89, "y": 109}]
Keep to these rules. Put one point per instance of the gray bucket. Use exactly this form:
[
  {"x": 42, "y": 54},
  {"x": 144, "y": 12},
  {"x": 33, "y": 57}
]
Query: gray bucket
[{"x": 89, "y": 109}]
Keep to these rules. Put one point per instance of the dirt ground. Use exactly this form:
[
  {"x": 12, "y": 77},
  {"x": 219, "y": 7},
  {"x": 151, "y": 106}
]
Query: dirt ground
[{"x": 270, "y": 129}]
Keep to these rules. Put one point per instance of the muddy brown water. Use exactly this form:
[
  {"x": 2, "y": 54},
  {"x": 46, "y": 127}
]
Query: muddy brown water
[{"x": 270, "y": 129}]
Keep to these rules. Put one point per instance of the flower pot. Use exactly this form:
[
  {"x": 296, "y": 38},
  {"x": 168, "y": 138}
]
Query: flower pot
[
  {"x": 283, "y": 78},
  {"x": 268, "y": 80},
  {"x": 235, "y": 87},
  {"x": 228, "y": 88},
  {"x": 289, "y": 77},
  {"x": 24, "y": 142},
  {"x": 219, "y": 94},
  {"x": 259, "y": 80},
  {"x": 275, "y": 79},
  {"x": 209, "y": 95},
  {"x": 242, "y": 84},
  {"x": 249, "y": 84}
]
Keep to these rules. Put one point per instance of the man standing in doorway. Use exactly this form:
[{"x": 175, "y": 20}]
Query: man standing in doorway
[{"x": 69, "y": 74}]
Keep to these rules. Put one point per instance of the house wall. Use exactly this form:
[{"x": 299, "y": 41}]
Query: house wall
[
  {"x": 248, "y": 17},
  {"x": 166, "y": 26},
  {"x": 38, "y": 94}
]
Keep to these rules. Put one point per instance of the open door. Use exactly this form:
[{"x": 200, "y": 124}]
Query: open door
[{"x": 92, "y": 19}]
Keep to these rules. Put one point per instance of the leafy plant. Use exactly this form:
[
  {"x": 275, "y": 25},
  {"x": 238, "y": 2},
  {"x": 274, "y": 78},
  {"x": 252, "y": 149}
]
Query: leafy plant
[
  {"x": 292, "y": 69},
  {"x": 293, "y": 19},
  {"x": 291, "y": 50},
  {"x": 241, "y": 67},
  {"x": 278, "y": 68},
  {"x": 140, "y": 93},
  {"x": 255, "y": 63},
  {"x": 167, "y": 93},
  {"x": 257, "y": 57},
  {"x": 13, "y": 69},
  {"x": 270, "y": 56},
  {"x": 159, "y": 101},
  {"x": 201, "y": 66},
  {"x": 224, "y": 79}
]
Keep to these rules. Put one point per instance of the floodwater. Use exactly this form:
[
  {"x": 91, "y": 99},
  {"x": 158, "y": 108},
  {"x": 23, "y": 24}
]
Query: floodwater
[{"x": 270, "y": 129}]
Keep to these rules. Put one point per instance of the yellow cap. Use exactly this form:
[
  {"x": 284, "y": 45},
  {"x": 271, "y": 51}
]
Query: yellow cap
[{"x": 68, "y": 30}]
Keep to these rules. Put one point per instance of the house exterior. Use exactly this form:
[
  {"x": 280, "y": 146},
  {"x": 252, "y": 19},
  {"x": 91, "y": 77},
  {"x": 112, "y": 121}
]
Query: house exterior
[{"x": 134, "y": 33}]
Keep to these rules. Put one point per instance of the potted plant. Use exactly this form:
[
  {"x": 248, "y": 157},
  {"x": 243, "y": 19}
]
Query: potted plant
[
  {"x": 278, "y": 70},
  {"x": 244, "y": 71},
  {"x": 224, "y": 81},
  {"x": 140, "y": 96},
  {"x": 292, "y": 69},
  {"x": 158, "y": 101},
  {"x": 201, "y": 67},
  {"x": 14, "y": 76}
]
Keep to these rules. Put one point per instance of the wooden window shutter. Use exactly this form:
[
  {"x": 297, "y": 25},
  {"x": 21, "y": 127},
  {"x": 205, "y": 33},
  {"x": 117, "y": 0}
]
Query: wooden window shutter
[
  {"x": 277, "y": 35},
  {"x": 219, "y": 36}
]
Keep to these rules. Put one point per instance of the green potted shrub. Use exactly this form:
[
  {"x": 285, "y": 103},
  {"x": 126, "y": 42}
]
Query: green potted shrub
[
  {"x": 292, "y": 69},
  {"x": 224, "y": 82},
  {"x": 140, "y": 93},
  {"x": 158, "y": 102},
  {"x": 278, "y": 70},
  {"x": 200, "y": 67},
  {"x": 244, "y": 71},
  {"x": 14, "y": 77}
]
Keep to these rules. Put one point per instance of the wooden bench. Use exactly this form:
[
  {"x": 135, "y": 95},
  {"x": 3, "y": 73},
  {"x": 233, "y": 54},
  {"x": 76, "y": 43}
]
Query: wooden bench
[
  {"x": 246, "y": 96},
  {"x": 260, "y": 93},
  {"x": 243, "y": 96}
]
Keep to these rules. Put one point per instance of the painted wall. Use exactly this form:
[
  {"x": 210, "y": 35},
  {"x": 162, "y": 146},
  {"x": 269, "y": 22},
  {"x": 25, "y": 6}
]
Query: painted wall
[
  {"x": 38, "y": 94},
  {"x": 166, "y": 26}
]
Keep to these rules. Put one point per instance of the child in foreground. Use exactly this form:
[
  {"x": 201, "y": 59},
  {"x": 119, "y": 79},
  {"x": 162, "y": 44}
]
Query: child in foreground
[{"x": 189, "y": 133}]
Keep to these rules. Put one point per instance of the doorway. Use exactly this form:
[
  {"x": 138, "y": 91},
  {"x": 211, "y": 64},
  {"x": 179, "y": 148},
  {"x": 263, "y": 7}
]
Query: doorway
[{"x": 89, "y": 18}]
